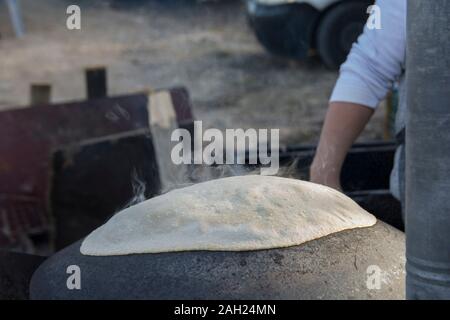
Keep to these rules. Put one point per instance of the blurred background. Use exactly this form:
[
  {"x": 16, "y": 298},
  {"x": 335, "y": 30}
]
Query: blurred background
[{"x": 206, "y": 46}]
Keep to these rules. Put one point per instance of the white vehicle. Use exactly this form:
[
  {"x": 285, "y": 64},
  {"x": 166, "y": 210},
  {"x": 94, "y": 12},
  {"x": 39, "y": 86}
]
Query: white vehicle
[{"x": 298, "y": 28}]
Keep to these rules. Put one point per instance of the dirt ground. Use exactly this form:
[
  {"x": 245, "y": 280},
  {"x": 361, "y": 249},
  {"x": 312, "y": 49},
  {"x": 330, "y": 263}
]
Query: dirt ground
[{"x": 206, "y": 47}]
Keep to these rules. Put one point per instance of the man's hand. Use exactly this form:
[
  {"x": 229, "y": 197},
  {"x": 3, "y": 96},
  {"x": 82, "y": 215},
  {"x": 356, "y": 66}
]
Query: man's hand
[
  {"x": 325, "y": 176},
  {"x": 343, "y": 124}
]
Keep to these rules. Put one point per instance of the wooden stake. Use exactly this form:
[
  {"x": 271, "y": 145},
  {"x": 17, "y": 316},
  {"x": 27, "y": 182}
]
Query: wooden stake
[
  {"x": 96, "y": 83},
  {"x": 40, "y": 94}
]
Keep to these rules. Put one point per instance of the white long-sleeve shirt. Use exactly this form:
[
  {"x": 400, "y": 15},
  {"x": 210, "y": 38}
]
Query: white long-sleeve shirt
[{"x": 376, "y": 60}]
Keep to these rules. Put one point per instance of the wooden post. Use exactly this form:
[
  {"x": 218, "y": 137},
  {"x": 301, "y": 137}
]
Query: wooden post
[
  {"x": 96, "y": 83},
  {"x": 40, "y": 94}
]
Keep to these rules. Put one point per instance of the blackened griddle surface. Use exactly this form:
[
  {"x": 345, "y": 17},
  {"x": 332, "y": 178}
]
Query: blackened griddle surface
[{"x": 333, "y": 267}]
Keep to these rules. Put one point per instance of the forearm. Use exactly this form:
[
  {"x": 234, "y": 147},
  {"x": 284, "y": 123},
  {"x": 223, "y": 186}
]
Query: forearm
[
  {"x": 343, "y": 124},
  {"x": 374, "y": 63}
]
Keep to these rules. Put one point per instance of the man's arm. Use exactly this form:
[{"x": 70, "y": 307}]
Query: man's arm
[
  {"x": 373, "y": 64},
  {"x": 343, "y": 124}
]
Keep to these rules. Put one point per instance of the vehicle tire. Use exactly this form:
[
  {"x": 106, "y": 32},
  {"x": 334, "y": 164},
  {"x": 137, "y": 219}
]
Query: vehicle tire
[
  {"x": 338, "y": 29},
  {"x": 285, "y": 30}
]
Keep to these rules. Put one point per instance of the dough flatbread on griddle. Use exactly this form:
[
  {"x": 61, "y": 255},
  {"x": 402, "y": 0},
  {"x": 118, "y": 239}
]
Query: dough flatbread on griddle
[{"x": 230, "y": 214}]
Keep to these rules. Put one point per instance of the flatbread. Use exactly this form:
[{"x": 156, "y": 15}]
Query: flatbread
[{"x": 231, "y": 214}]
